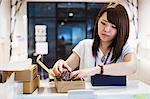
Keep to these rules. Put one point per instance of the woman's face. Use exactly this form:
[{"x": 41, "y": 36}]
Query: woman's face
[{"x": 106, "y": 30}]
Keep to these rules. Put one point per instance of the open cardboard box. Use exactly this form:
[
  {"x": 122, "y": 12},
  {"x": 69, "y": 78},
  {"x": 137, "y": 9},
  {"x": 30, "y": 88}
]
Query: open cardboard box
[{"x": 62, "y": 86}]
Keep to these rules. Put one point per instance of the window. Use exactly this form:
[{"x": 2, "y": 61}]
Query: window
[{"x": 67, "y": 24}]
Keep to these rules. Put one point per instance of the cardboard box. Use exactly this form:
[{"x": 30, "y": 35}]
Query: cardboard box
[
  {"x": 4, "y": 76},
  {"x": 27, "y": 75},
  {"x": 30, "y": 86},
  {"x": 64, "y": 86}
]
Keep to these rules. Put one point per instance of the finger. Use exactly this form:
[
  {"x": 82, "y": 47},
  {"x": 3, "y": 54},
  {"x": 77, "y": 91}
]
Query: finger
[
  {"x": 55, "y": 69},
  {"x": 60, "y": 66},
  {"x": 76, "y": 75},
  {"x": 67, "y": 66},
  {"x": 73, "y": 74},
  {"x": 82, "y": 79},
  {"x": 79, "y": 76},
  {"x": 56, "y": 72}
]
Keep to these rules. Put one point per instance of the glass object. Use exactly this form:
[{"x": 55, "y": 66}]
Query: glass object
[
  {"x": 69, "y": 34},
  {"x": 44, "y": 9},
  {"x": 71, "y": 10}
]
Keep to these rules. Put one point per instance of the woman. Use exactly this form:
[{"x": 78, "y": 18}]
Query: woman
[{"x": 109, "y": 53}]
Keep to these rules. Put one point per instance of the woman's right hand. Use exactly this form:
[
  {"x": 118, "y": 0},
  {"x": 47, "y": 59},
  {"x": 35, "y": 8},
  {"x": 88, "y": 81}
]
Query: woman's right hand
[{"x": 59, "y": 66}]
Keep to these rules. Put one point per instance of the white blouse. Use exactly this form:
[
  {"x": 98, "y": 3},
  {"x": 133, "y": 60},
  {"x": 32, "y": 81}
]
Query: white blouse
[{"x": 84, "y": 50}]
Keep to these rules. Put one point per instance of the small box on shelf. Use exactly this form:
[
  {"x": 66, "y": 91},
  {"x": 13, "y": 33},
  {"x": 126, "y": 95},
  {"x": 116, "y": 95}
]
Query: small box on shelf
[{"x": 28, "y": 74}]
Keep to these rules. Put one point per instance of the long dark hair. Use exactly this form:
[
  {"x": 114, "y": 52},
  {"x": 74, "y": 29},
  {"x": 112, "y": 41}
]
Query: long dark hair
[{"x": 117, "y": 15}]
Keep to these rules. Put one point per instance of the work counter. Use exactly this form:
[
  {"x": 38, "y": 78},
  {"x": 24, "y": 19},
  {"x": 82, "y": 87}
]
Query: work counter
[{"x": 134, "y": 90}]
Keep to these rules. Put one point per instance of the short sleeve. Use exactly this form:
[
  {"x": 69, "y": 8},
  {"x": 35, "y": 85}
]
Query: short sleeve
[
  {"x": 127, "y": 49},
  {"x": 79, "y": 48},
  {"x": 84, "y": 50}
]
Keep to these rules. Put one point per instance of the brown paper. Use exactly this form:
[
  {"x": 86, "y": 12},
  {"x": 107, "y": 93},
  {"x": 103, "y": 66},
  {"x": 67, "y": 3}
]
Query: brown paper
[
  {"x": 30, "y": 86},
  {"x": 64, "y": 86},
  {"x": 28, "y": 74}
]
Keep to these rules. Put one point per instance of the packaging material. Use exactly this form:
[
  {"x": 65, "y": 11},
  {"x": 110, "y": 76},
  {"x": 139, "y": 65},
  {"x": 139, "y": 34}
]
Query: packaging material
[
  {"x": 4, "y": 76},
  {"x": 28, "y": 74},
  {"x": 64, "y": 86},
  {"x": 30, "y": 86},
  {"x": 41, "y": 48}
]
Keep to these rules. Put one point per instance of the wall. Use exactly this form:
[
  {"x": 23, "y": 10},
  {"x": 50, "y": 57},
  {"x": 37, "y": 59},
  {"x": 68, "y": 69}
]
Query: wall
[
  {"x": 143, "y": 62},
  {"x": 4, "y": 31},
  {"x": 144, "y": 25}
]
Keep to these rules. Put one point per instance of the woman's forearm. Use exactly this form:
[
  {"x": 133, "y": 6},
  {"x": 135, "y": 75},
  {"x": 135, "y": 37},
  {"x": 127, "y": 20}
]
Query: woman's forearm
[
  {"x": 119, "y": 69},
  {"x": 73, "y": 61}
]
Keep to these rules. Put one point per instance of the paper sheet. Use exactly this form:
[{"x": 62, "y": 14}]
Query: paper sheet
[{"x": 16, "y": 66}]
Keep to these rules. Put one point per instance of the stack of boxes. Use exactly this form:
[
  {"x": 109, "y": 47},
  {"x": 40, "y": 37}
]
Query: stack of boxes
[{"x": 30, "y": 79}]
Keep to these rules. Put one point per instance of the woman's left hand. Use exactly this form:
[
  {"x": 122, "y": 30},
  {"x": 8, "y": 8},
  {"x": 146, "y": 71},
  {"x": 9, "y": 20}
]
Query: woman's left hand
[{"x": 81, "y": 74}]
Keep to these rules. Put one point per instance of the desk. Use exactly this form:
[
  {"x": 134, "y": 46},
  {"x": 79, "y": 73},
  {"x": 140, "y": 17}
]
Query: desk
[{"x": 133, "y": 90}]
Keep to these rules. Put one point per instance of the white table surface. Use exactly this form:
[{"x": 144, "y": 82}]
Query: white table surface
[{"x": 133, "y": 90}]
